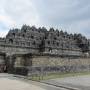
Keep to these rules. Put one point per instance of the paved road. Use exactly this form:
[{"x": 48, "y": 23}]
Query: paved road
[
  {"x": 8, "y": 82},
  {"x": 78, "y": 82}
]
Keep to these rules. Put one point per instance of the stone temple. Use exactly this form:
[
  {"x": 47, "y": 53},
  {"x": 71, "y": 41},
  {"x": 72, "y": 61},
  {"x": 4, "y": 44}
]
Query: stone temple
[{"x": 35, "y": 47}]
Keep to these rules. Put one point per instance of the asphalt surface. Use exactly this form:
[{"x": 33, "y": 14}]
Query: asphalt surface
[{"x": 78, "y": 82}]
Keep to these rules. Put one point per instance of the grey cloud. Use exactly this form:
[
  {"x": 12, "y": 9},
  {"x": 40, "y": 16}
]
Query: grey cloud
[
  {"x": 67, "y": 14},
  {"x": 71, "y": 15},
  {"x": 21, "y": 11},
  {"x": 59, "y": 11}
]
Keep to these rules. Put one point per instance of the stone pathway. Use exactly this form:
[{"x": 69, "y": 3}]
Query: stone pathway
[{"x": 9, "y": 82}]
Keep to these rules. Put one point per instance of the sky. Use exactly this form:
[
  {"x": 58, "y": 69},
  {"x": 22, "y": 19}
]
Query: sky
[{"x": 72, "y": 16}]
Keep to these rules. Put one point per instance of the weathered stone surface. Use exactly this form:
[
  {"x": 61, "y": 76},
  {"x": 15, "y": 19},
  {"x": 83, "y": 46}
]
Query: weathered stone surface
[
  {"x": 31, "y": 47},
  {"x": 58, "y": 61},
  {"x": 32, "y": 40},
  {"x": 48, "y": 63}
]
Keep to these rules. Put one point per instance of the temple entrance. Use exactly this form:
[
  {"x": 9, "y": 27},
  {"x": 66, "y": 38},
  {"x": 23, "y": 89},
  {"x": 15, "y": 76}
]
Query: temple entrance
[{"x": 2, "y": 63}]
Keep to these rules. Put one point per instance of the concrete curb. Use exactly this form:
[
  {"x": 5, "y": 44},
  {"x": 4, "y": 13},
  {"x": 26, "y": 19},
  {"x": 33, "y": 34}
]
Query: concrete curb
[{"x": 61, "y": 86}]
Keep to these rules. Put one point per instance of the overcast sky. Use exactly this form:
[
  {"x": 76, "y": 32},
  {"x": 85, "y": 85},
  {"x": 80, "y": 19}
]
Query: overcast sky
[{"x": 70, "y": 15}]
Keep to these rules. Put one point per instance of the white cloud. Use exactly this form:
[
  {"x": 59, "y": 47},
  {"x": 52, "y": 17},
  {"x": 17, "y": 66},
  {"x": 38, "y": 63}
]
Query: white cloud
[
  {"x": 15, "y": 13},
  {"x": 7, "y": 20},
  {"x": 3, "y": 33},
  {"x": 22, "y": 11}
]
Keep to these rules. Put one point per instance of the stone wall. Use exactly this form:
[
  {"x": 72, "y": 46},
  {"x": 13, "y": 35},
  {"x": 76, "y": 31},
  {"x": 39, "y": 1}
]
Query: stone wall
[
  {"x": 50, "y": 63},
  {"x": 58, "y": 61},
  {"x": 10, "y": 49},
  {"x": 58, "y": 64}
]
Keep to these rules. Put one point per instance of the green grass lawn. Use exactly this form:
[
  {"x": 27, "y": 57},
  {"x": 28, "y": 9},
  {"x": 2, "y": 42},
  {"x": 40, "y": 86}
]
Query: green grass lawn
[{"x": 56, "y": 75}]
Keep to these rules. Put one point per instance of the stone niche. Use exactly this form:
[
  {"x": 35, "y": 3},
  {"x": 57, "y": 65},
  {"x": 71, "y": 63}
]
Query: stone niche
[
  {"x": 21, "y": 63},
  {"x": 2, "y": 62}
]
